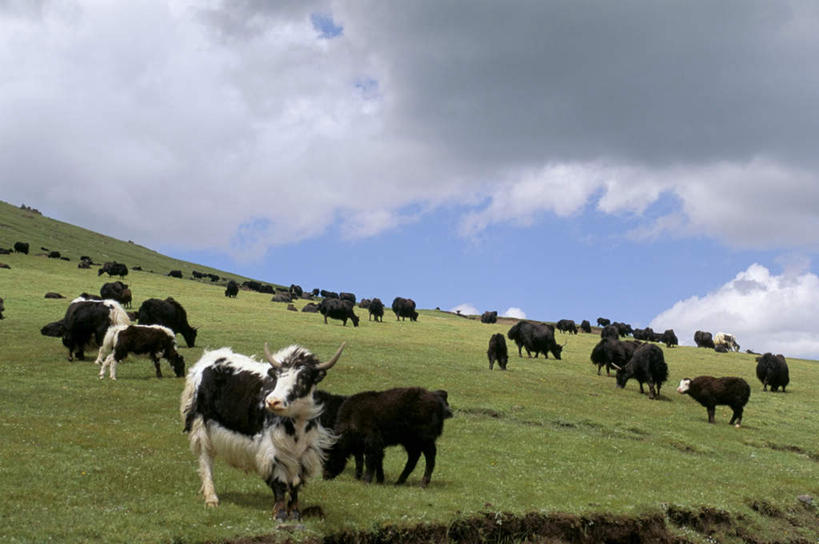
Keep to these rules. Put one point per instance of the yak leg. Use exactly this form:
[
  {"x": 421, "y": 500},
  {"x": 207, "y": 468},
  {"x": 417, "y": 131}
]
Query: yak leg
[
  {"x": 641, "y": 389},
  {"x": 293, "y": 511},
  {"x": 737, "y": 417},
  {"x": 359, "y": 464},
  {"x": 429, "y": 458},
  {"x": 206, "y": 473},
  {"x": 155, "y": 359},
  {"x": 373, "y": 459},
  {"x": 413, "y": 454},
  {"x": 279, "y": 492},
  {"x": 491, "y": 362},
  {"x": 711, "y": 411}
]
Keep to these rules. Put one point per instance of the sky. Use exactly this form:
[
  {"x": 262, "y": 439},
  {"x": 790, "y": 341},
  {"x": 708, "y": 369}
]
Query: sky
[{"x": 650, "y": 162}]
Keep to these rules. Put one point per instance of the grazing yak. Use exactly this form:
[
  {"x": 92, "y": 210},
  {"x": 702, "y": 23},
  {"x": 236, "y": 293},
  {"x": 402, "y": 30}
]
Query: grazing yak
[
  {"x": 703, "y": 339},
  {"x": 232, "y": 289},
  {"x": 404, "y": 308},
  {"x": 712, "y": 392},
  {"x": 585, "y": 326},
  {"x": 336, "y": 308},
  {"x": 169, "y": 313},
  {"x": 117, "y": 291},
  {"x": 113, "y": 268},
  {"x": 726, "y": 339},
  {"x": 259, "y": 417},
  {"x": 175, "y": 274},
  {"x": 647, "y": 365},
  {"x": 86, "y": 321},
  {"x": 370, "y": 421},
  {"x": 347, "y": 296},
  {"x": 489, "y": 317},
  {"x": 567, "y": 326},
  {"x": 497, "y": 351},
  {"x": 21, "y": 247},
  {"x": 328, "y": 294},
  {"x": 535, "y": 338},
  {"x": 155, "y": 341},
  {"x": 603, "y": 322},
  {"x": 772, "y": 370},
  {"x": 376, "y": 309},
  {"x": 613, "y": 353}
]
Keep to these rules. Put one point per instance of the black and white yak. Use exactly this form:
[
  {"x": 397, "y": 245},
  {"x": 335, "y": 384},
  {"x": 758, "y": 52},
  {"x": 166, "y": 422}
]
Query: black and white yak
[
  {"x": 169, "y": 313},
  {"x": 258, "y": 417},
  {"x": 370, "y": 421},
  {"x": 726, "y": 339},
  {"x": 647, "y": 365},
  {"x": 155, "y": 341},
  {"x": 772, "y": 370},
  {"x": 712, "y": 392}
]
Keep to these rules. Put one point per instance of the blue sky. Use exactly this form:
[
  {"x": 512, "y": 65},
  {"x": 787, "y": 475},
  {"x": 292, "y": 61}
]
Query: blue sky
[{"x": 652, "y": 163}]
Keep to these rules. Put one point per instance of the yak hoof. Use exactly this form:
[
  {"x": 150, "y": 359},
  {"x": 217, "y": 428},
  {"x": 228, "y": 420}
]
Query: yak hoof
[{"x": 212, "y": 502}]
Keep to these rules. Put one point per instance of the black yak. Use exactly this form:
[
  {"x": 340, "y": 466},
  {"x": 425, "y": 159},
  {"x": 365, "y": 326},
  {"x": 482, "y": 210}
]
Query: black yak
[
  {"x": 169, "y": 313},
  {"x": 376, "y": 309},
  {"x": 612, "y": 353},
  {"x": 772, "y": 370},
  {"x": 497, "y": 351},
  {"x": 647, "y": 365},
  {"x": 704, "y": 339},
  {"x": 370, "y": 421},
  {"x": 404, "y": 308},
  {"x": 232, "y": 289},
  {"x": 336, "y": 308}
]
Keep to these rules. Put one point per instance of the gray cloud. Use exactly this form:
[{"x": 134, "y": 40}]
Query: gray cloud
[{"x": 219, "y": 124}]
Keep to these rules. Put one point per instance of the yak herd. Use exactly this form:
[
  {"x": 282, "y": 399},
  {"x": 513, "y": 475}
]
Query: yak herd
[
  {"x": 269, "y": 417},
  {"x": 642, "y": 360}
]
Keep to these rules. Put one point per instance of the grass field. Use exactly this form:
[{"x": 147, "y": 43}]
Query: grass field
[{"x": 88, "y": 460}]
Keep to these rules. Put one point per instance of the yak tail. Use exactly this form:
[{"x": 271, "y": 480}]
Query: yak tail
[{"x": 187, "y": 403}]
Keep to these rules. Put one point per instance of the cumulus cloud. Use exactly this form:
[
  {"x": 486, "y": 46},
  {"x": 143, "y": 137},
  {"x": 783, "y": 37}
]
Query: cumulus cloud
[
  {"x": 271, "y": 123},
  {"x": 465, "y": 309},
  {"x": 766, "y": 312},
  {"x": 514, "y": 312}
]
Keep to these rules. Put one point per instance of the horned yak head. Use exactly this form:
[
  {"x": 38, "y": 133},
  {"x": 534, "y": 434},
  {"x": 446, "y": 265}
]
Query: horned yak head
[{"x": 296, "y": 372}]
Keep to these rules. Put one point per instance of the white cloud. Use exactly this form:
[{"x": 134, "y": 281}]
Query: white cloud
[
  {"x": 245, "y": 112},
  {"x": 514, "y": 312},
  {"x": 465, "y": 309},
  {"x": 766, "y": 312}
]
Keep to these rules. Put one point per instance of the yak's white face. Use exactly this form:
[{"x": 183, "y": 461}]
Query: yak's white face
[
  {"x": 685, "y": 383},
  {"x": 293, "y": 393}
]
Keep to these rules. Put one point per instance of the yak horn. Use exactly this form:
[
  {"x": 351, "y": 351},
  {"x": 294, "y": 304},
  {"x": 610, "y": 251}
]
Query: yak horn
[
  {"x": 615, "y": 366},
  {"x": 270, "y": 359},
  {"x": 331, "y": 362}
]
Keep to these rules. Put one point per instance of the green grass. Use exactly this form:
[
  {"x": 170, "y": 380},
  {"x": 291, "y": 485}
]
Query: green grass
[{"x": 88, "y": 460}]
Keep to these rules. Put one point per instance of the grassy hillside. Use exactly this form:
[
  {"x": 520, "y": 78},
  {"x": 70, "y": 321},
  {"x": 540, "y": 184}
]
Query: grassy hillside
[
  {"x": 20, "y": 225},
  {"x": 88, "y": 460}
]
